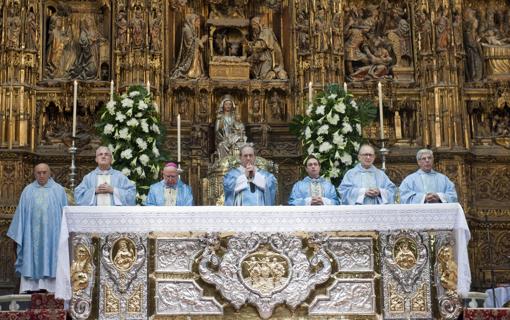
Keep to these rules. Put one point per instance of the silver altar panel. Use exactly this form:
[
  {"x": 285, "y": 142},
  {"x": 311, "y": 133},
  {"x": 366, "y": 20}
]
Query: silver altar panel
[
  {"x": 406, "y": 275},
  {"x": 179, "y": 297},
  {"x": 352, "y": 254},
  {"x": 346, "y": 297},
  {"x": 123, "y": 277},
  {"x": 176, "y": 254}
]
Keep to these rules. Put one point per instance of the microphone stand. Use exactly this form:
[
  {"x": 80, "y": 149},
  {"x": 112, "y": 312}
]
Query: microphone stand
[{"x": 489, "y": 242}]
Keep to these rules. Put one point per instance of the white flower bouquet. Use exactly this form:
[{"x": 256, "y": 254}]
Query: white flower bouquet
[
  {"x": 130, "y": 126},
  {"x": 331, "y": 130}
]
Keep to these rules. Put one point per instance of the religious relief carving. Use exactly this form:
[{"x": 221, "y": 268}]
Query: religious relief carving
[
  {"x": 302, "y": 29},
  {"x": 190, "y": 63},
  {"x": 184, "y": 297},
  {"x": 31, "y": 30},
  {"x": 227, "y": 9},
  {"x": 352, "y": 254},
  {"x": 123, "y": 275},
  {"x": 346, "y": 297},
  {"x": 321, "y": 31},
  {"x": 13, "y": 25},
  {"x": 176, "y": 255},
  {"x": 424, "y": 26},
  {"x": 443, "y": 29},
  {"x": 276, "y": 106},
  {"x": 229, "y": 130},
  {"x": 474, "y": 60},
  {"x": 155, "y": 25},
  {"x": 265, "y": 57},
  {"x": 137, "y": 26},
  {"x": 82, "y": 277},
  {"x": 202, "y": 114},
  {"x": 405, "y": 269},
  {"x": 256, "y": 111},
  {"x": 264, "y": 270}
]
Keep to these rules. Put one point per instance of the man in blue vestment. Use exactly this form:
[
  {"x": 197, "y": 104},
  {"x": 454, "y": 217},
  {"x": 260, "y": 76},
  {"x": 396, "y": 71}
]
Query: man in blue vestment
[
  {"x": 248, "y": 185},
  {"x": 105, "y": 186},
  {"x": 36, "y": 229},
  {"x": 365, "y": 184},
  {"x": 170, "y": 191},
  {"x": 313, "y": 189},
  {"x": 427, "y": 185}
]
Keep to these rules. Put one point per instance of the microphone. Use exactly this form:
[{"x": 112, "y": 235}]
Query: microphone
[{"x": 251, "y": 175}]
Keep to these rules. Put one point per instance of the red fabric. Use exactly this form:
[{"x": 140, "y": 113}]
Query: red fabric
[
  {"x": 486, "y": 314},
  {"x": 33, "y": 315},
  {"x": 46, "y": 301}
]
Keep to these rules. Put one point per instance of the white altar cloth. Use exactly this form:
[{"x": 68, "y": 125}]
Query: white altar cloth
[{"x": 136, "y": 219}]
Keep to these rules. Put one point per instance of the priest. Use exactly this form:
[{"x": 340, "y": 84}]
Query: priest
[
  {"x": 170, "y": 191},
  {"x": 365, "y": 184},
  {"x": 105, "y": 186},
  {"x": 313, "y": 189},
  {"x": 248, "y": 185},
  {"x": 36, "y": 228},
  {"x": 427, "y": 185}
]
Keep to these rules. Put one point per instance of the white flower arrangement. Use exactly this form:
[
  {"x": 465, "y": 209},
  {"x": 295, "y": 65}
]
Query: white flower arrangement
[
  {"x": 331, "y": 130},
  {"x": 130, "y": 127}
]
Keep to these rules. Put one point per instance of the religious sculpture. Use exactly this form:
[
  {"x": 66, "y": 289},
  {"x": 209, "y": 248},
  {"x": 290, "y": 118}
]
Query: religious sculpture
[
  {"x": 189, "y": 63},
  {"x": 87, "y": 60},
  {"x": 442, "y": 30},
  {"x": 425, "y": 31},
  {"x": 155, "y": 30},
  {"x": 447, "y": 268},
  {"x": 275, "y": 104},
  {"x": 229, "y": 130},
  {"x": 138, "y": 28},
  {"x": 14, "y": 27},
  {"x": 380, "y": 60},
  {"x": 31, "y": 30},
  {"x": 81, "y": 268},
  {"x": 122, "y": 30},
  {"x": 302, "y": 26},
  {"x": 125, "y": 256},
  {"x": 405, "y": 258},
  {"x": 320, "y": 31},
  {"x": 474, "y": 61},
  {"x": 266, "y": 57}
]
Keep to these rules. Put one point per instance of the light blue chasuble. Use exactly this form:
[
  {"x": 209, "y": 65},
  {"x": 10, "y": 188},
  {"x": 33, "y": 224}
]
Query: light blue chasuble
[
  {"x": 156, "y": 196},
  {"x": 240, "y": 192},
  {"x": 415, "y": 187},
  {"x": 124, "y": 191},
  {"x": 358, "y": 180},
  {"x": 36, "y": 229},
  {"x": 304, "y": 190}
]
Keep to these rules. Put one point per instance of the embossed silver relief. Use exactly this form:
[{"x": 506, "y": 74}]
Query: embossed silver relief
[
  {"x": 406, "y": 274},
  {"x": 176, "y": 255},
  {"x": 82, "y": 276},
  {"x": 123, "y": 277},
  {"x": 174, "y": 297},
  {"x": 445, "y": 276},
  {"x": 264, "y": 270},
  {"x": 352, "y": 254},
  {"x": 349, "y": 296}
]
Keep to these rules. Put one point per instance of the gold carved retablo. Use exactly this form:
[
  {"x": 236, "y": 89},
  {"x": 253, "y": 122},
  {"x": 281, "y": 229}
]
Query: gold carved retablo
[{"x": 123, "y": 254}]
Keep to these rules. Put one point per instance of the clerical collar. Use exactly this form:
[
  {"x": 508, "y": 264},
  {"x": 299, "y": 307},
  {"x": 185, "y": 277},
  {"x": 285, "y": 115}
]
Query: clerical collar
[
  {"x": 430, "y": 172},
  {"x": 171, "y": 187},
  {"x": 103, "y": 172}
]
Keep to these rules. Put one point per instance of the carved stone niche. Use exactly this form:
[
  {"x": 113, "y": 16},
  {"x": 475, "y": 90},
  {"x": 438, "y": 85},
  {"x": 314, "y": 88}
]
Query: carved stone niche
[{"x": 227, "y": 38}]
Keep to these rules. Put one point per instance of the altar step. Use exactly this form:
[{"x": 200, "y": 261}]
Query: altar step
[{"x": 31, "y": 306}]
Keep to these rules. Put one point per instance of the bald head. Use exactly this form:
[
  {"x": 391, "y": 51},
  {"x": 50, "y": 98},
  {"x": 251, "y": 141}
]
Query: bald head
[
  {"x": 42, "y": 173},
  {"x": 103, "y": 158}
]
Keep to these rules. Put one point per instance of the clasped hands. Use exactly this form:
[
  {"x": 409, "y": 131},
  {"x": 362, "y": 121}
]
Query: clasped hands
[
  {"x": 432, "y": 198},
  {"x": 316, "y": 201},
  {"x": 104, "y": 188},
  {"x": 372, "y": 192},
  {"x": 250, "y": 171}
]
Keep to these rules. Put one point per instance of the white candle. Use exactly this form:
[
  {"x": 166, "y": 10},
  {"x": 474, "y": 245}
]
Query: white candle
[
  {"x": 179, "y": 138},
  {"x": 381, "y": 120},
  {"x": 310, "y": 92},
  {"x": 75, "y": 106},
  {"x": 112, "y": 89},
  {"x": 345, "y": 87},
  {"x": 148, "y": 87}
]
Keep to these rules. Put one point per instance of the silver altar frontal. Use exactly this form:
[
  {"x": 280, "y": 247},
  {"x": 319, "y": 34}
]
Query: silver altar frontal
[{"x": 329, "y": 262}]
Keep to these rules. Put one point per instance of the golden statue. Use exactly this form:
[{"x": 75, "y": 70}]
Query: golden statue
[
  {"x": 125, "y": 256},
  {"x": 81, "y": 269}
]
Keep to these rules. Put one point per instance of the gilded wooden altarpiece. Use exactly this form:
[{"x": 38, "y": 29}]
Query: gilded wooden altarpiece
[{"x": 444, "y": 65}]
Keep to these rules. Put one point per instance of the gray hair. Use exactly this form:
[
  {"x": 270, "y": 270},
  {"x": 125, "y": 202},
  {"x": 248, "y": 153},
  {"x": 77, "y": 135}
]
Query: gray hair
[
  {"x": 421, "y": 152},
  {"x": 246, "y": 145}
]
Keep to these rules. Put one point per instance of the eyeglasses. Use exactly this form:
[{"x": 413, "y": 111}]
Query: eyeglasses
[
  {"x": 426, "y": 158},
  {"x": 367, "y": 155}
]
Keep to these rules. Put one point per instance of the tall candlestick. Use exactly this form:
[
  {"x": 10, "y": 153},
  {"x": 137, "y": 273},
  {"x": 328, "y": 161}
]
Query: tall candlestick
[
  {"x": 179, "y": 138},
  {"x": 345, "y": 87},
  {"x": 148, "y": 87},
  {"x": 75, "y": 106},
  {"x": 381, "y": 119},
  {"x": 310, "y": 92},
  {"x": 112, "y": 89}
]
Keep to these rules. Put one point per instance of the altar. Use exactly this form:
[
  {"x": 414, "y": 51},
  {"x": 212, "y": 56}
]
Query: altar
[{"x": 359, "y": 262}]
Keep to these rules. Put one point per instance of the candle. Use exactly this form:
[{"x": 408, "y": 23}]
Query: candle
[
  {"x": 148, "y": 87},
  {"x": 310, "y": 92},
  {"x": 75, "y": 106},
  {"x": 112, "y": 89},
  {"x": 179, "y": 138},
  {"x": 345, "y": 87},
  {"x": 381, "y": 120}
]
